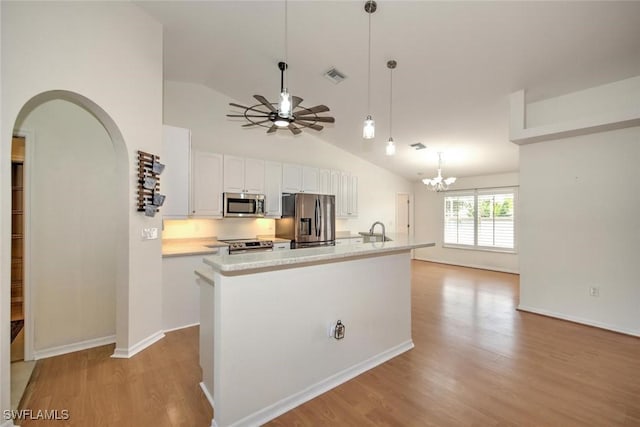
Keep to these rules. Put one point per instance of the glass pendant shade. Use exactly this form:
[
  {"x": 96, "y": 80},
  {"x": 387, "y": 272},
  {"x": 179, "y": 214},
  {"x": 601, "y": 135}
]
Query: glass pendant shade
[
  {"x": 284, "y": 107},
  {"x": 369, "y": 128},
  {"x": 391, "y": 147}
]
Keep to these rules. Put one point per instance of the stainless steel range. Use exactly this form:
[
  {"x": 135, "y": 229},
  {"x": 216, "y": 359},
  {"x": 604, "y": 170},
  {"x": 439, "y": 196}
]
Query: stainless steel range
[{"x": 243, "y": 246}]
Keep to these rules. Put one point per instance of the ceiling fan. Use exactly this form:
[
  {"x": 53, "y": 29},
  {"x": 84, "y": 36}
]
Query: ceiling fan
[{"x": 266, "y": 114}]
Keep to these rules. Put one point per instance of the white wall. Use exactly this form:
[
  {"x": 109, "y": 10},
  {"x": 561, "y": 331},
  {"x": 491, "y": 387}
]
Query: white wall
[
  {"x": 579, "y": 201},
  {"x": 429, "y": 223},
  {"x": 204, "y": 110},
  {"x": 110, "y": 54},
  {"x": 73, "y": 224}
]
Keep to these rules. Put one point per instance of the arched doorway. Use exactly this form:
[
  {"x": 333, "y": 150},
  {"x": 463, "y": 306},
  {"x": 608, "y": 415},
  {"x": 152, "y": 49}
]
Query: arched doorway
[{"x": 75, "y": 225}]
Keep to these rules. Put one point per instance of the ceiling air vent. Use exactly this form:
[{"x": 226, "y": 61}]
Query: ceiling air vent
[
  {"x": 335, "y": 76},
  {"x": 419, "y": 146}
]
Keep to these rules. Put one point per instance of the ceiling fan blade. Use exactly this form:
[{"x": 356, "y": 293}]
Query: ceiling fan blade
[
  {"x": 294, "y": 129},
  {"x": 248, "y": 115},
  {"x": 312, "y": 110},
  {"x": 311, "y": 125},
  {"x": 255, "y": 123},
  {"x": 316, "y": 119},
  {"x": 266, "y": 103},
  {"x": 295, "y": 101},
  {"x": 272, "y": 129},
  {"x": 248, "y": 108}
]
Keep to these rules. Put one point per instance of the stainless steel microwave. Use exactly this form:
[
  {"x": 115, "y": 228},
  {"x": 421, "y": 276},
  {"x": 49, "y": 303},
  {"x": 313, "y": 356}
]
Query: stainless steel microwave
[{"x": 243, "y": 205}]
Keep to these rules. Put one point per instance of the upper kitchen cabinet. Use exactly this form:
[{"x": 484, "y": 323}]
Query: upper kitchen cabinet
[
  {"x": 272, "y": 189},
  {"x": 243, "y": 175},
  {"x": 176, "y": 156},
  {"x": 348, "y": 196},
  {"x": 207, "y": 184},
  {"x": 299, "y": 179}
]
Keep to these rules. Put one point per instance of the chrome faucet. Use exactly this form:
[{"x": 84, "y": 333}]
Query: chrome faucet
[{"x": 374, "y": 225}]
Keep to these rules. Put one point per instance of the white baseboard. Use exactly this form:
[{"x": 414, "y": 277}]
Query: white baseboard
[
  {"x": 579, "y": 320},
  {"x": 462, "y": 264},
  {"x": 270, "y": 412},
  {"x": 125, "y": 353},
  {"x": 207, "y": 394},
  {"x": 70, "y": 348},
  {"x": 182, "y": 327}
]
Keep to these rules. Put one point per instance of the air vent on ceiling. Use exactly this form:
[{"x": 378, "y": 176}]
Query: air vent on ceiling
[
  {"x": 419, "y": 146},
  {"x": 335, "y": 76}
]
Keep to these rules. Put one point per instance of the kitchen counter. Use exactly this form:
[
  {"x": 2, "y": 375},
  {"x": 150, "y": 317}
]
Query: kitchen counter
[
  {"x": 200, "y": 246},
  {"x": 266, "y": 313},
  {"x": 246, "y": 263},
  {"x": 185, "y": 247},
  {"x": 346, "y": 235}
]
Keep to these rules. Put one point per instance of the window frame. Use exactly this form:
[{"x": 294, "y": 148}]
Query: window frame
[{"x": 475, "y": 193}]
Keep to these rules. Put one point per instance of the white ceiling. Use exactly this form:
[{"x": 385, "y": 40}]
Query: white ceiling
[{"x": 457, "y": 63}]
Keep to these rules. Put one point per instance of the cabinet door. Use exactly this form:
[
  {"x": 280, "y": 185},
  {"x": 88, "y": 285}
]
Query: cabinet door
[
  {"x": 234, "y": 174},
  {"x": 254, "y": 176},
  {"x": 207, "y": 184},
  {"x": 335, "y": 190},
  {"x": 345, "y": 179},
  {"x": 324, "y": 181},
  {"x": 273, "y": 189},
  {"x": 176, "y": 156},
  {"x": 309, "y": 179},
  {"x": 353, "y": 196},
  {"x": 291, "y": 178}
]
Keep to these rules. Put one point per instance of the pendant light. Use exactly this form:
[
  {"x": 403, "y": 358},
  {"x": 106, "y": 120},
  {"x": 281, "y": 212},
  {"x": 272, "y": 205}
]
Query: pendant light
[
  {"x": 369, "y": 128},
  {"x": 391, "y": 146},
  {"x": 284, "y": 104}
]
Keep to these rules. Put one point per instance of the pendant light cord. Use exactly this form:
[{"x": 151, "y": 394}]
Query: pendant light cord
[
  {"x": 369, "y": 69},
  {"x": 391, "y": 103}
]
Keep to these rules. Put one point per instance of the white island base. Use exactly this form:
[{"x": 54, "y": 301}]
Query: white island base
[{"x": 264, "y": 329}]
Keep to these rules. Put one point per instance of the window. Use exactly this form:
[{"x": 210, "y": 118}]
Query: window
[{"x": 480, "y": 219}]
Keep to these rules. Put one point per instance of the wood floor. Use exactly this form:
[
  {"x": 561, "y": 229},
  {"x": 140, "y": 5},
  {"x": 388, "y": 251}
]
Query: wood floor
[{"x": 476, "y": 361}]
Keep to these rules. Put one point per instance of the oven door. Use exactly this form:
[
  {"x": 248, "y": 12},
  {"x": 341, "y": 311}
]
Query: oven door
[{"x": 243, "y": 205}]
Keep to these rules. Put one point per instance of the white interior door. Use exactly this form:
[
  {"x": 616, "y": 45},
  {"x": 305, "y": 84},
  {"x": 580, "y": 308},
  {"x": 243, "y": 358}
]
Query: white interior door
[{"x": 402, "y": 214}]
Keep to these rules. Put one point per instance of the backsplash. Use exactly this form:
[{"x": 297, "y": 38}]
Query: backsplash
[{"x": 227, "y": 228}]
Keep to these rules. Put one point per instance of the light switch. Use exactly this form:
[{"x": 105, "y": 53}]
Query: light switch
[{"x": 150, "y": 233}]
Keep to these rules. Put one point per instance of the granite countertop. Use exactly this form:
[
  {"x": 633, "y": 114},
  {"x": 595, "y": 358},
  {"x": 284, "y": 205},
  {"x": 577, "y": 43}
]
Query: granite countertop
[
  {"x": 201, "y": 246},
  {"x": 194, "y": 246},
  {"x": 240, "y": 263}
]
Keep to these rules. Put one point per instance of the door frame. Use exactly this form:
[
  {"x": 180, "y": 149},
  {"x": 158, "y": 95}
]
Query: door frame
[{"x": 29, "y": 139}]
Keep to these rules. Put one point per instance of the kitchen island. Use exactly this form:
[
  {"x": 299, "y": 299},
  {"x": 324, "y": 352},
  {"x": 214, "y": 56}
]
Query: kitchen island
[{"x": 266, "y": 321}]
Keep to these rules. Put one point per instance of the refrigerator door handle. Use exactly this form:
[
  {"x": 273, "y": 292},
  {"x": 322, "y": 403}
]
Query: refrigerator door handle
[
  {"x": 319, "y": 228},
  {"x": 317, "y": 216}
]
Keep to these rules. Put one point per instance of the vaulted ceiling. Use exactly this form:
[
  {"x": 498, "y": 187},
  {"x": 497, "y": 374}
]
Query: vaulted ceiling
[{"x": 457, "y": 64}]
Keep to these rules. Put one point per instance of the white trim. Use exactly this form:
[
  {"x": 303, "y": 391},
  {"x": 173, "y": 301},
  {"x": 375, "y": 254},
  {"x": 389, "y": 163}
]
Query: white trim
[
  {"x": 125, "y": 353},
  {"x": 70, "y": 348},
  {"x": 27, "y": 286},
  {"x": 635, "y": 333},
  {"x": 207, "y": 394},
  {"x": 272, "y": 411},
  {"x": 462, "y": 264},
  {"x": 182, "y": 327}
]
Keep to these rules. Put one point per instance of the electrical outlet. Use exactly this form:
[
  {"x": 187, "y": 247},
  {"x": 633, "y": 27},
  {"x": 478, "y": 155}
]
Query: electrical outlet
[
  {"x": 594, "y": 291},
  {"x": 150, "y": 233}
]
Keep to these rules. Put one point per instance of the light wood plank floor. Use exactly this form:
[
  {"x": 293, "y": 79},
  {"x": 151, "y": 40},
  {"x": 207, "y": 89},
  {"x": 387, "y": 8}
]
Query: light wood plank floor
[{"x": 477, "y": 361}]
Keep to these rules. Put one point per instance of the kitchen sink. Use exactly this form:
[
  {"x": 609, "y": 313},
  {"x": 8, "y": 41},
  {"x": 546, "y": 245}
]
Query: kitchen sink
[{"x": 375, "y": 237}]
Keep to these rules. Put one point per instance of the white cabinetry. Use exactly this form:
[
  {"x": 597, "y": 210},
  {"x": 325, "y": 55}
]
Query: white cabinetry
[
  {"x": 243, "y": 175},
  {"x": 291, "y": 178},
  {"x": 299, "y": 179},
  {"x": 324, "y": 182},
  {"x": 176, "y": 156},
  {"x": 347, "y": 196},
  {"x": 207, "y": 184},
  {"x": 281, "y": 246},
  {"x": 273, "y": 189}
]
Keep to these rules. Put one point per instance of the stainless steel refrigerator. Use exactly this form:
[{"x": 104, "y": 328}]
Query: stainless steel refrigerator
[{"x": 308, "y": 220}]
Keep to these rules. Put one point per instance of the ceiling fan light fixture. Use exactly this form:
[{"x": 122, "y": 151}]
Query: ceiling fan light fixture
[
  {"x": 391, "y": 147},
  {"x": 369, "y": 128},
  {"x": 281, "y": 122},
  {"x": 284, "y": 106}
]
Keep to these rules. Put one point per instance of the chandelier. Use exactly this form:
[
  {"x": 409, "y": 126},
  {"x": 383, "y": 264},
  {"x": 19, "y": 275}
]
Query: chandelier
[{"x": 439, "y": 183}]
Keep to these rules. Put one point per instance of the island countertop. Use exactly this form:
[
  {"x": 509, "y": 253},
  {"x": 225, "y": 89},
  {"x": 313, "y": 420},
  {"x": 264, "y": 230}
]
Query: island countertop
[{"x": 241, "y": 263}]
